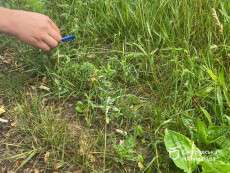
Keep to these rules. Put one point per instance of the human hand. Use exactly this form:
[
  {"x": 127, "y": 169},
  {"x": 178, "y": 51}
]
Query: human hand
[{"x": 33, "y": 28}]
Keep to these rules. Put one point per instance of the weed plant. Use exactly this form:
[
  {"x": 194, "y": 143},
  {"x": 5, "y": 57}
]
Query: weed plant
[{"x": 141, "y": 76}]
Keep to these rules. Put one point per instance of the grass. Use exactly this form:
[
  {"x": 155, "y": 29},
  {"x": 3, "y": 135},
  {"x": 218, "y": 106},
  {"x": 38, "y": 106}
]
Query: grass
[{"x": 138, "y": 67}]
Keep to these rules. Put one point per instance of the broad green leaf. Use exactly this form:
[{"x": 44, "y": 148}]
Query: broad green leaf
[
  {"x": 207, "y": 115},
  {"x": 226, "y": 96},
  {"x": 215, "y": 167},
  {"x": 222, "y": 142},
  {"x": 215, "y": 132},
  {"x": 227, "y": 118},
  {"x": 212, "y": 75},
  {"x": 220, "y": 101},
  {"x": 221, "y": 78},
  {"x": 202, "y": 131},
  {"x": 182, "y": 151},
  {"x": 223, "y": 154},
  {"x": 188, "y": 121},
  {"x": 205, "y": 91},
  {"x": 80, "y": 107}
]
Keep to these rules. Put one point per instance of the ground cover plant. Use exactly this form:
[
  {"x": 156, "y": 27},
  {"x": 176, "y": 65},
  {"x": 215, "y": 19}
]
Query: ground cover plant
[{"x": 144, "y": 88}]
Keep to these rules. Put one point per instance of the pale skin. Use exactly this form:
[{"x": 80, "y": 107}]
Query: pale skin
[{"x": 32, "y": 28}]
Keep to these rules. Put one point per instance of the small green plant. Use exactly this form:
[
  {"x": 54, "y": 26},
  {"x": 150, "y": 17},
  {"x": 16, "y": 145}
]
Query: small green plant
[
  {"x": 187, "y": 156},
  {"x": 136, "y": 68},
  {"x": 182, "y": 151},
  {"x": 125, "y": 150}
]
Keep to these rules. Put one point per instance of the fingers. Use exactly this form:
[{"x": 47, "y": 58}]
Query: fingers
[
  {"x": 46, "y": 43},
  {"x": 35, "y": 29},
  {"x": 38, "y": 44},
  {"x": 50, "y": 38},
  {"x": 44, "y": 46},
  {"x": 50, "y": 41},
  {"x": 54, "y": 26},
  {"x": 55, "y": 35}
]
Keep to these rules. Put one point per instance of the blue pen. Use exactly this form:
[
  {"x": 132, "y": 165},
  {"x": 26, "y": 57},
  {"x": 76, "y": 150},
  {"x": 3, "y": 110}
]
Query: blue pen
[{"x": 68, "y": 38}]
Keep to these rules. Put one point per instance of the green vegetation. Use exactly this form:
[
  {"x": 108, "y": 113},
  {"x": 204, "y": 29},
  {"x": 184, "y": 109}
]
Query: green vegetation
[{"x": 144, "y": 88}]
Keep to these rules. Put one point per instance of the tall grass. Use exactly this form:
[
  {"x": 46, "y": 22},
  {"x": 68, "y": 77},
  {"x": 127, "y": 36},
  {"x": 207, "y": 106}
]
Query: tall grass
[{"x": 137, "y": 67}]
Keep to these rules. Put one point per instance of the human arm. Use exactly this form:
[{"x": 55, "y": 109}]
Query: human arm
[{"x": 33, "y": 28}]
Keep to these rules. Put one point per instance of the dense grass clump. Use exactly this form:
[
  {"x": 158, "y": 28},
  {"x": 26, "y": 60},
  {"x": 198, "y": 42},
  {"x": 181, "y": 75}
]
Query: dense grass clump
[{"x": 141, "y": 76}]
